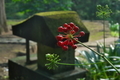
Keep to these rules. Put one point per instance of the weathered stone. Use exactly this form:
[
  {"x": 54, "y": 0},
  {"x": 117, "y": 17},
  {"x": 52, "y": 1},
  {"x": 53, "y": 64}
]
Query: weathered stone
[
  {"x": 20, "y": 71},
  {"x": 42, "y": 27},
  {"x": 65, "y": 56}
]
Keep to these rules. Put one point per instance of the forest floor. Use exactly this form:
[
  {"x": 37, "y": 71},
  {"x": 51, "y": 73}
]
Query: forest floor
[{"x": 11, "y": 50}]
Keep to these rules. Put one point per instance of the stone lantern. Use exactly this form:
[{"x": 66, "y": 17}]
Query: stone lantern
[{"x": 42, "y": 29}]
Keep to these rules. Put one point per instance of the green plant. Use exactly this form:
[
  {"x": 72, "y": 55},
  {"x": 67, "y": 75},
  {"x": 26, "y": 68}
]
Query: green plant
[
  {"x": 114, "y": 28},
  {"x": 52, "y": 60},
  {"x": 65, "y": 40},
  {"x": 81, "y": 79},
  {"x": 97, "y": 66},
  {"x": 103, "y": 12},
  {"x": 55, "y": 61}
]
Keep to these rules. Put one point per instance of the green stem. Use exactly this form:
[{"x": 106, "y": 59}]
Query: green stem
[
  {"x": 76, "y": 64},
  {"x": 104, "y": 32},
  {"x": 99, "y": 55},
  {"x": 68, "y": 64}
]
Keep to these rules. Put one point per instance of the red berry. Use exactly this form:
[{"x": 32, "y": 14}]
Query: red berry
[
  {"x": 65, "y": 29},
  {"x": 66, "y": 42},
  {"x": 74, "y": 46},
  {"x": 60, "y": 29},
  {"x": 69, "y": 27},
  {"x": 82, "y": 33},
  {"x": 65, "y": 25},
  {"x": 65, "y": 48},
  {"x": 59, "y": 37},
  {"x": 72, "y": 32},
  {"x": 74, "y": 40},
  {"x": 72, "y": 24},
  {"x": 71, "y": 43},
  {"x": 60, "y": 43},
  {"x": 76, "y": 29}
]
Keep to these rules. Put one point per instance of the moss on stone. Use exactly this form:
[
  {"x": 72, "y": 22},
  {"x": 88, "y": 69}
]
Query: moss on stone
[
  {"x": 53, "y": 13},
  {"x": 43, "y": 26},
  {"x": 55, "y": 19}
]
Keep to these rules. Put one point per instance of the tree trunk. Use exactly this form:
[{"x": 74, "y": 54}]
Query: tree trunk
[{"x": 3, "y": 24}]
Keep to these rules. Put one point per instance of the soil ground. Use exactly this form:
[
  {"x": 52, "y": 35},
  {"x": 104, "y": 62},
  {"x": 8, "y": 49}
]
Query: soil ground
[{"x": 8, "y": 51}]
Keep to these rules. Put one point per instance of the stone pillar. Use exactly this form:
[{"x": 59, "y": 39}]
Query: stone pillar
[{"x": 65, "y": 56}]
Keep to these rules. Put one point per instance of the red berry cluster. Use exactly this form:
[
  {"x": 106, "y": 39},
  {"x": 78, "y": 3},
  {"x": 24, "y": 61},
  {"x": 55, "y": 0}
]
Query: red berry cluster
[{"x": 68, "y": 38}]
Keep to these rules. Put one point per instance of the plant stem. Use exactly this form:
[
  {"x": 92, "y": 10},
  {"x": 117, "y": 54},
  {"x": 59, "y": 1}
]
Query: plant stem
[
  {"x": 68, "y": 64},
  {"x": 99, "y": 55},
  {"x": 104, "y": 32},
  {"x": 76, "y": 64}
]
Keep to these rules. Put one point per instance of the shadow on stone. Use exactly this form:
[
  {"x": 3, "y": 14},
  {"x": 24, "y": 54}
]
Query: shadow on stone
[
  {"x": 20, "y": 54},
  {"x": 4, "y": 65}
]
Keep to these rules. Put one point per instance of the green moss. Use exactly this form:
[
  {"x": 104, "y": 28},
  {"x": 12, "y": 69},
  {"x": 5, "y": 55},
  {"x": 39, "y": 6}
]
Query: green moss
[
  {"x": 53, "y": 13},
  {"x": 45, "y": 25},
  {"x": 55, "y": 19}
]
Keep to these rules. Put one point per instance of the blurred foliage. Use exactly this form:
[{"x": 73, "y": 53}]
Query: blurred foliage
[
  {"x": 19, "y": 9},
  {"x": 26, "y": 8},
  {"x": 114, "y": 28},
  {"x": 98, "y": 68},
  {"x": 103, "y": 11}
]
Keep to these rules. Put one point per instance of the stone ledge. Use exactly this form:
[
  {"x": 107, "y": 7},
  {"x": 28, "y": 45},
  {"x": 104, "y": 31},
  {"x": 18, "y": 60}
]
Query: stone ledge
[{"x": 18, "y": 69}]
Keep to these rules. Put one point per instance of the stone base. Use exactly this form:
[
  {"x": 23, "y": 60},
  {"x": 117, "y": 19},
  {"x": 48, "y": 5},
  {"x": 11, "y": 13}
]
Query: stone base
[{"x": 19, "y": 70}]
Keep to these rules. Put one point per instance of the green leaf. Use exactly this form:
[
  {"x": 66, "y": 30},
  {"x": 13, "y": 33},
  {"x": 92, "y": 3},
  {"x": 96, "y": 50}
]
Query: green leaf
[
  {"x": 103, "y": 12},
  {"x": 112, "y": 70}
]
